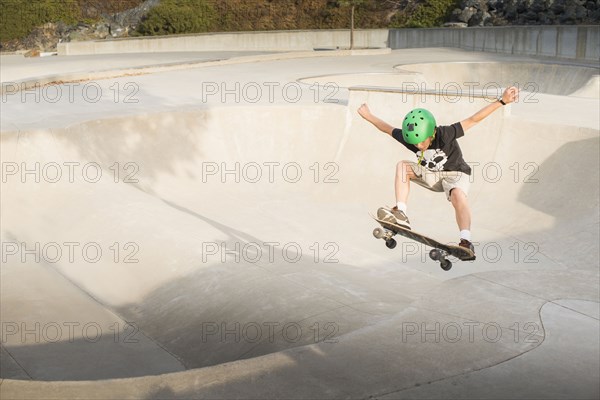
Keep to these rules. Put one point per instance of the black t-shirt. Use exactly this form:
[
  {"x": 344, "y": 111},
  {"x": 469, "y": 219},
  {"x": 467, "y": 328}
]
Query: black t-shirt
[{"x": 444, "y": 153}]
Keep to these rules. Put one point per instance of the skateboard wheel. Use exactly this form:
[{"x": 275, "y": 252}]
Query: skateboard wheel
[
  {"x": 446, "y": 265},
  {"x": 378, "y": 233},
  {"x": 435, "y": 254},
  {"x": 390, "y": 243}
]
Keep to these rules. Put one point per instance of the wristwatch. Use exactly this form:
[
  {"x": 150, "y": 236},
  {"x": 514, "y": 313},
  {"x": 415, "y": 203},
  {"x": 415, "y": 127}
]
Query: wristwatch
[{"x": 501, "y": 101}]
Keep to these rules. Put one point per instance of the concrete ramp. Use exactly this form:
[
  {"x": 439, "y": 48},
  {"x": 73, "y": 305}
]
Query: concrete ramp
[{"x": 234, "y": 242}]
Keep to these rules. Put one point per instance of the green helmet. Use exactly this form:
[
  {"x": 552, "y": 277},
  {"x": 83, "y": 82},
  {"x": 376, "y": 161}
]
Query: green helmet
[{"x": 418, "y": 125}]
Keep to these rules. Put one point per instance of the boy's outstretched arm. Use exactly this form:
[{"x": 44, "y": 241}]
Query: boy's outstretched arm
[
  {"x": 383, "y": 126},
  {"x": 510, "y": 95}
]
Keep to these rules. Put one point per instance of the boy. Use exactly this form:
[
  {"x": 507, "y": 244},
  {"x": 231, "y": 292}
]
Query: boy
[{"x": 440, "y": 165}]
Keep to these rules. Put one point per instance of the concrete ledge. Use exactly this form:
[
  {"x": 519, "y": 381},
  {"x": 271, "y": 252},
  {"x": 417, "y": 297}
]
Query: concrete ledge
[
  {"x": 14, "y": 87},
  {"x": 475, "y": 94},
  {"x": 232, "y": 41},
  {"x": 568, "y": 42}
]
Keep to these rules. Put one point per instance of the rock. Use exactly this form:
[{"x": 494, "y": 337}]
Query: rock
[
  {"x": 32, "y": 53},
  {"x": 455, "y": 25},
  {"x": 62, "y": 29},
  {"x": 130, "y": 17},
  {"x": 526, "y": 12},
  {"x": 558, "y": 7},
  {"x": 75, "y": 37},
  {"x": 530, "y": 16},
  {"x": 497, "y": 21},
  {"x": 45, "y": 38},
  {"x": 493, "y": 4},
  {"x": 510, "y": 10},
  {"x": 476, "y": 19},
  {"x": 101, "y": 31},
  {"x": 523, "y": 6},
  {"x": 121, "y": 24},
  {"x": 456, "y": 13},
  {"x": 470, "y": 3},
  {"x": 480, "y": 18},
  {"x": 580, "y": 13},
  {"x": 539, "y": 6},
  {"x": 89, "y": 32},
  {"x": 466, "y": 15},
  {"x": 567, "y": 13},
  {"x": 116, "y": 30}
]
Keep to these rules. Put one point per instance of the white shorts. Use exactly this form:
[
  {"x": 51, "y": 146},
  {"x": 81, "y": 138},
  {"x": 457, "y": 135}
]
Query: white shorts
[{"x": 441, "y": 181}]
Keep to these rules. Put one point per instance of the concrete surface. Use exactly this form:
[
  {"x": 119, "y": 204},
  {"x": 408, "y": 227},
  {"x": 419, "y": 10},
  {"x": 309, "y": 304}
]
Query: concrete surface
[
  {"x": 229, "y": 236},
  {"x": 570, "y": 346}
]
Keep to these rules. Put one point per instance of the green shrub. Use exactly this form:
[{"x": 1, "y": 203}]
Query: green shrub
[
  {"x": 178, "y": 16},
  {"x": 425, "y": 14},
  {"x": 19, "y": 17},
  {"x": 258, "y": 15}
]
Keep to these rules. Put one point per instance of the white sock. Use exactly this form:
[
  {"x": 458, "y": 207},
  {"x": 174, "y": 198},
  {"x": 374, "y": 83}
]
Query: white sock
[
  {"x": 401, "y": 206},
  {"x": 465, "y": 234}
]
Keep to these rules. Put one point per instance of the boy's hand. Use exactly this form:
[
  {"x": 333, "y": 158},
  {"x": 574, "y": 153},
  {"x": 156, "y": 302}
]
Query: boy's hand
[
  {"x": 364, "y": 111},
  {"x": 510, "y": 95},
  {"x": 383, "y": 126}
]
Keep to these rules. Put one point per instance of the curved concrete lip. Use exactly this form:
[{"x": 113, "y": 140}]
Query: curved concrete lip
[
  {"x": 475, "y": 77},
  {"x": 350, "y": 79},
  {"x": 547, "y": 77},
  {"x": 205, "y": 187}
]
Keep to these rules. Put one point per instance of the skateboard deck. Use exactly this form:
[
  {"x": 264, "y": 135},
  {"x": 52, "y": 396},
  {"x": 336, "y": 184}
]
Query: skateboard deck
[{"x": 439, "y": 250}]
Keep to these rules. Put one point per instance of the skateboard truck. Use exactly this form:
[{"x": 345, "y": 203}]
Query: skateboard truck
[
  {"x": 440, "y": 255},
  {"x": 435, "y": 254},
  {"x": 387, "y": 235}
]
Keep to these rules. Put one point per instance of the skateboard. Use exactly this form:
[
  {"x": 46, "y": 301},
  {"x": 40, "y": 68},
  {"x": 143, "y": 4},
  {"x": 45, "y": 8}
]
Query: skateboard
[{"x": 439, "y": 251}]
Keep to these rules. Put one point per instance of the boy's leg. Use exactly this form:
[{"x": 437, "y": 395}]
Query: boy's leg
[
  {"x": 456, "y": 185},
  {"x": 459, "y": 201},
  {"x": 397, "y": 215},
  {"x": 404, "y": 173}
]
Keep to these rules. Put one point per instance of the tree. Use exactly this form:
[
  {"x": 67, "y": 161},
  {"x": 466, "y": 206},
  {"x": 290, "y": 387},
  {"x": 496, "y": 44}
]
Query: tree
[{"x": 352, "y": 4}]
